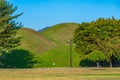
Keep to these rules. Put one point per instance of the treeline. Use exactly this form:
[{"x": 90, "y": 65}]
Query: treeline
[{"x": 99, "y": 41}]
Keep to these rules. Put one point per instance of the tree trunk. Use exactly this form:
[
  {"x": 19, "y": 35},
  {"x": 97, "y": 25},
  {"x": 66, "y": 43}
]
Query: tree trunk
[
  {"x": 110, "y": 63},
  {"x": 98, "y": 65}
]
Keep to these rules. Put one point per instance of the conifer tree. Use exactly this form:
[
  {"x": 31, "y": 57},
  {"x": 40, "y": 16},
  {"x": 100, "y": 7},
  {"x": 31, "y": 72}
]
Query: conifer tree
[{"x": 8, "y": 26}]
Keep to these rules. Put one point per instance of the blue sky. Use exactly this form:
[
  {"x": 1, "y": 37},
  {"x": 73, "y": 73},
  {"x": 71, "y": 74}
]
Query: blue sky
[{"x": 43, "y": 13}]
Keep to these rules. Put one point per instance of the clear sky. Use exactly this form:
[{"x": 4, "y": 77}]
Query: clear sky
[{"x": 43, "y": 13}]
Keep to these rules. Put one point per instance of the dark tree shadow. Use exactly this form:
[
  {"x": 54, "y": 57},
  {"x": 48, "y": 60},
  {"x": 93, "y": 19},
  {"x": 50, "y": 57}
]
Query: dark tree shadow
[
  {"x": 87, "y": 63},
  {"x": 105, "y": 63},
  {"x": 115, "y": 63},
  {"x": 17, "y": 59}
]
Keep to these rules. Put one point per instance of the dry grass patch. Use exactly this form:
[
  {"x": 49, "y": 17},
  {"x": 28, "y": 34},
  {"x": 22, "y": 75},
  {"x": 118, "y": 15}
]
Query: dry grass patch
[{"x": 61, "y": 74}]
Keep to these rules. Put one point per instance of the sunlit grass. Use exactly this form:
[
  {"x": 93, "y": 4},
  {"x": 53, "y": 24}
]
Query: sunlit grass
[{"x": 60, "y": 56}]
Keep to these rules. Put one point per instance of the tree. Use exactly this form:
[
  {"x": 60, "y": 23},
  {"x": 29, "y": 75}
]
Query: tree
[
  {"x": 100, "y": 35},
  {"x": 8, "y": 26},
  {"x": 110, "y": 42},
  {"x": 96, "y": 56},
  {"x": 18, "y": 58}
]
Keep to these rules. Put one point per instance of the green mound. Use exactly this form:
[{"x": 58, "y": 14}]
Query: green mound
[
  {"x": 59, "y": 55},
  {"x": 34, "y": 42},
  {"x": 60, "y": 33},
  {"x": 51, "y": 44}
]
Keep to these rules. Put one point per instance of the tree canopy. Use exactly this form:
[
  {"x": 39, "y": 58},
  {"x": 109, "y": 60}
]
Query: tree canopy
[{"x": 100, "y": 35}]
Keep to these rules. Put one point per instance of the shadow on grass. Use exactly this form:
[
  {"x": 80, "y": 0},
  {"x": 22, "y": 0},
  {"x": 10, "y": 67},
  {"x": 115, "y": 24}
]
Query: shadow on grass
[
  {"x": 18, "y": 58},
  {"x": 87, "y": 63}
]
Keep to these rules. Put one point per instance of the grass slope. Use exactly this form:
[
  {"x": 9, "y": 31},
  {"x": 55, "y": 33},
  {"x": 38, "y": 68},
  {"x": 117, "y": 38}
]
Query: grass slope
[
  {"x": 59, "y": 55},
  {"x": 60, "y": 33},
  {"x": 34, "y": 42}
]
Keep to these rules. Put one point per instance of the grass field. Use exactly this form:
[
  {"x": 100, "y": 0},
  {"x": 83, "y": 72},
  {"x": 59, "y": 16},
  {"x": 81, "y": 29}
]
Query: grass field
[
  {"x": 60, "y": 56},
  {"x": 61, "y": 74}
]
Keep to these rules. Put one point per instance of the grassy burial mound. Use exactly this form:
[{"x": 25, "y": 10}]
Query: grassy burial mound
[
  {"x": 51, "y": 43},
  {"x": 34, "y": 42},
  {"x": 59, "y": 55},
  {"x": 60, "y": 33}
]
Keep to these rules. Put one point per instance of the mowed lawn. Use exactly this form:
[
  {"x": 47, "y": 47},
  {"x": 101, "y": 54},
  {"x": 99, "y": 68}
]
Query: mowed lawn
[{"x": 61, "y": 74}]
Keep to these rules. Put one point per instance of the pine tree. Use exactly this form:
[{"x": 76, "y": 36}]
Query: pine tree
[{"x": 8, "y": 26}]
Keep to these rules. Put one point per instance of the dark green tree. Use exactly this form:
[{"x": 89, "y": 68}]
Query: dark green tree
[
  {"x": 110, "y": 40},
  {"x": 18, "y": 58},
  {"x": 8, "y": 26},
  {"x": 100, "y": 35}
]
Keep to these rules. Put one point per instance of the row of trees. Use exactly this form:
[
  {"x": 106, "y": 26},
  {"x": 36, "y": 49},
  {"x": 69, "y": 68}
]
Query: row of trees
[{"x": 98, "y": 40}]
